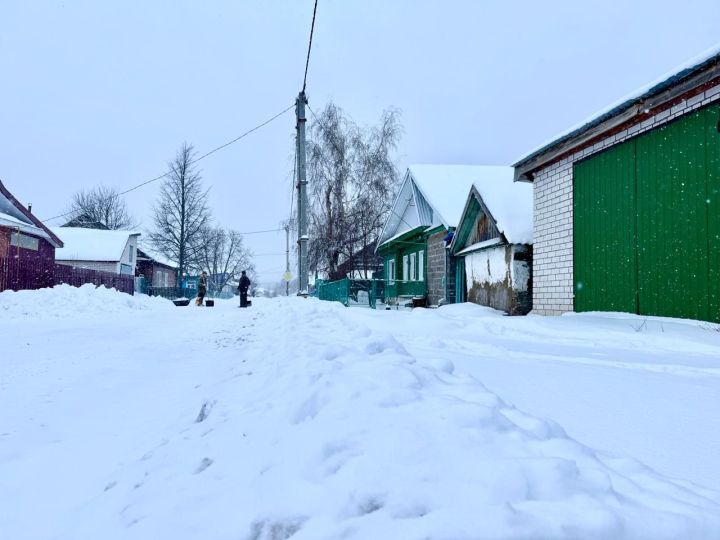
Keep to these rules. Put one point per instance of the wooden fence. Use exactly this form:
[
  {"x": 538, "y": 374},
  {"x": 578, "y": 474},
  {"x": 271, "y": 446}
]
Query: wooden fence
[{"x": 23, "y": 274}]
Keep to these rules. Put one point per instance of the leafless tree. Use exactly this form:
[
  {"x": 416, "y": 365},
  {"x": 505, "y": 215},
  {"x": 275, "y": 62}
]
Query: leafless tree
[
  {"x": 100, "y": 205},
  {"x": 222, "y": 254},
  {"x": 353, "y": 178},
  {"x": 181, "y": 214}
]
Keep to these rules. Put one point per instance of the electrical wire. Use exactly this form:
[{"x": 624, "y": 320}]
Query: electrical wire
[
  {"x": 262, "y": 232},
  {"x": 307, "y": 61},
  {"x": 203, "y": 156}
]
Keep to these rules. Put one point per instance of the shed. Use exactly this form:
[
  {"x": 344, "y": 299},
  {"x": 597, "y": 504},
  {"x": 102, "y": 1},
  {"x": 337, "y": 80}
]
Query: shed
[
  {"x": 102, "y": 250},
  {"x": 493, "y": 243},
  {"x": 27, "y": 246},
  {"x": 627, "y": 203}
]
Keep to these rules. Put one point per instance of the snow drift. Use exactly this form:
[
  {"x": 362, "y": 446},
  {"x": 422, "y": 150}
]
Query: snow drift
[
  {"x": 66, "y": 300},
  {"x": 296, "y": 420}
]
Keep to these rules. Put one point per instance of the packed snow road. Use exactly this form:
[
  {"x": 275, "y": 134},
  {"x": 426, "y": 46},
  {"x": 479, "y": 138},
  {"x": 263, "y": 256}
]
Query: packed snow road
[{"x": 130, "y": 418}]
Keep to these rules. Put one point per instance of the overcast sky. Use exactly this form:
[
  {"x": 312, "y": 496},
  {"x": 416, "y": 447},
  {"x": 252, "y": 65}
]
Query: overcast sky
[{"x": 104, "y": 92}]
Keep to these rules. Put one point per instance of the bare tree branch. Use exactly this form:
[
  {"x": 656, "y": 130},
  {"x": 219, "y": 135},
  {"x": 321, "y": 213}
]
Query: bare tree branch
[
  {"x": 181, "y": 213},
  {"x": 100, "y": 206},
  {"x": 352, "y": 175}
]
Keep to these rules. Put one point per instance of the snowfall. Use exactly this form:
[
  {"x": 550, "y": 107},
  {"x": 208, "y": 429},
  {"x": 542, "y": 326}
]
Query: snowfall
[{"x": 129, "y": 418}]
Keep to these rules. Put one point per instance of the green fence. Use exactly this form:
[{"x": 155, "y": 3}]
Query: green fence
[{"x": 368, "y": 292}]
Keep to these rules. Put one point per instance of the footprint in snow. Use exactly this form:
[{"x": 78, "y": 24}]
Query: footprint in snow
[{"x": 204, "y": 464}]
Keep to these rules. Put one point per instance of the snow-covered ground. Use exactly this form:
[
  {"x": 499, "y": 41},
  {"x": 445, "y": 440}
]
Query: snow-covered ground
[{"x": 131, "y": 418}]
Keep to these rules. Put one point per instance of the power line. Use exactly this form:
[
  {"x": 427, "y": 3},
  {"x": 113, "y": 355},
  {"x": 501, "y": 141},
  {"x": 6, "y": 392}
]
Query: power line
[
  {"x": 261, "y": 232},
  {"x": 307, "y": 61},
  {"x": 217, "y": 148}
]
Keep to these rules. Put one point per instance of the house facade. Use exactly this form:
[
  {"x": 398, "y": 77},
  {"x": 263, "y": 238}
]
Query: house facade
[
  {"x": 492, "y": 244},
  {"x": 27, "y": 247},
  {"x": 155, "y": 271},
  {"x": 417, "y": 264},
  {"x": 627, "y": 206},
  {"x": 113, "y": 252}
]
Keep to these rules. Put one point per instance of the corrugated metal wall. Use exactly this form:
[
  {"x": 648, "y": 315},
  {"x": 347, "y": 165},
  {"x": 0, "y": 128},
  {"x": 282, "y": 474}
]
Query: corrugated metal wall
[{"x": 647, "y": 223}]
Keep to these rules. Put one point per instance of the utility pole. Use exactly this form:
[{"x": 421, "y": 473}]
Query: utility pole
[
  {"x": 302, "y": 196},
  {"x": 287, "y": 260}
]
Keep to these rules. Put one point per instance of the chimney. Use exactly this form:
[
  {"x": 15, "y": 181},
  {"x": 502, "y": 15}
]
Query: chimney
[{"x": 30, "y": 207}]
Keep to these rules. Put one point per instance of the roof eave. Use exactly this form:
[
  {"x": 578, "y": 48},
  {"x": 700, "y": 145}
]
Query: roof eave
[
  {"x": 52, "y": 238},
  {"x": 655, "y": 97}
]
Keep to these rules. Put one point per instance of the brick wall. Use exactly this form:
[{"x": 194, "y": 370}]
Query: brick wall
[
  {"x": 553, "y": 212},
  {"x": 436, "y": 268}
]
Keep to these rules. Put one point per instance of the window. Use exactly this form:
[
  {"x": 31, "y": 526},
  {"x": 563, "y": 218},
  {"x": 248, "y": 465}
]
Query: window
[
  {"x": 132, "y": 253},
  {"x": 24, "y": 241},
  {"x": 412, "y": 266},
  {"x": 405, "y": 268},
  {"x": 421, "y": 265},
  {"x": 391, "y": 271}
]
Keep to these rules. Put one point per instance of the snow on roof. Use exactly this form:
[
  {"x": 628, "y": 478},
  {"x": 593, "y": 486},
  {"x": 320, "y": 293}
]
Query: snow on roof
[
  {"x": 91, "y": 244},
  {"x": 12, "y": 220},
  {"x": 445, "y": 187},
  {"x": 24, "y": 225},
  {"x": 658, "y": 85},
  {"x": 510, "y": 203},
  {"x": 157, "y": 257},
  {"x": 15, "y": 215}
]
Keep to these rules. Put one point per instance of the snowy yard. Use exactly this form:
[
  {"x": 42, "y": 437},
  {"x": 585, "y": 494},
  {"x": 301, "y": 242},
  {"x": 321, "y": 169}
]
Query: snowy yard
[{"x": 130, "y": 418}]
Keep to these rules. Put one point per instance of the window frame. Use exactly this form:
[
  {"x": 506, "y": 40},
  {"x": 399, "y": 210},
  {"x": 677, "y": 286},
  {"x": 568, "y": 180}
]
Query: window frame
[{"x": 391, "y": 271}]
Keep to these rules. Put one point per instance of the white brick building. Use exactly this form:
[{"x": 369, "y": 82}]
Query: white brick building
[{"x": 693, "y": 89}]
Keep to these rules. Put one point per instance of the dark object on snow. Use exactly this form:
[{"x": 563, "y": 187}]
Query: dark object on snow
[
  {"x": 210, "y": 303},
  {"x": 182, "y": 302},
  {"x": 243, "y": 287}
]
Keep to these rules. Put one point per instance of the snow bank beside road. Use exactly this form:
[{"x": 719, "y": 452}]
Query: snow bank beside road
[{"x": 68, "y": 301}]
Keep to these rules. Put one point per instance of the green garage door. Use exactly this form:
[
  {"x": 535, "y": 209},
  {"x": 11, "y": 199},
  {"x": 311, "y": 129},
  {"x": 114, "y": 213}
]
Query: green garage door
[{"x": 647, "y": 223}]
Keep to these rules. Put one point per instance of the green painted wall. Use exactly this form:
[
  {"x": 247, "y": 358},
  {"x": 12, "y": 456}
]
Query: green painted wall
[
  {"x": 647, "y": 223},
  {"x": 395, "y": 251}
]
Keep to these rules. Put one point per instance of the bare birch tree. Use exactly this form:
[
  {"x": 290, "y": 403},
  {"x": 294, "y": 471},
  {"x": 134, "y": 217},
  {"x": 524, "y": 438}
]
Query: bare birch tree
[
  {"x": 181, "y": 212},
  {"x": 101, "y": 204},
  {"x": 353, "y": 178},
  {"x": 222, "y": 254}
]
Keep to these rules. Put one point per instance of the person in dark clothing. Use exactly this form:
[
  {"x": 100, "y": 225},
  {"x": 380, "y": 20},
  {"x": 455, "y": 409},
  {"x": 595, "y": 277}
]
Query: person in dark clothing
[
  {"x": 243, "y": 287},
  {"x": 202, "y": 289}
]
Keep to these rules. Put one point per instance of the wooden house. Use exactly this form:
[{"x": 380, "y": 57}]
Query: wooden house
[
  {"x": 417, "y": 266},
  {"x": 27, "y": 246},
  {"x": 114, "y": 252},
  {"x": 156, "y": 271},
  {"x": 627, "y": 204},
  {"x": 492, "y": 244}
]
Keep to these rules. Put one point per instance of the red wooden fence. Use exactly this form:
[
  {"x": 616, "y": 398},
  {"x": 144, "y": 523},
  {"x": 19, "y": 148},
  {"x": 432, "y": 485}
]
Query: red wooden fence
[{"x": 23, "y": 274}]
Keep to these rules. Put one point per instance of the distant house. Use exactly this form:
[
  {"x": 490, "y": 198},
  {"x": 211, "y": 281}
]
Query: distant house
[
  {"x": 102, "y": 250},
  {"x": 86, "y": 222},
  {"x": 27, "y": 247},
  {"x": 627, "y": 204},
  {"x": 413, "y": 244},
  {"x": 493, "y": 243},
  {"x": 363, "y": 264},
  {"x": 156, "y": 271}
]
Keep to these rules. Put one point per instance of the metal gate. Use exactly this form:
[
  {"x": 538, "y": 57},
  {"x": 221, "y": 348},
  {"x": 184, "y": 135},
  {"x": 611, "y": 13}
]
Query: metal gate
[{"x": 647, "y": 223}]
